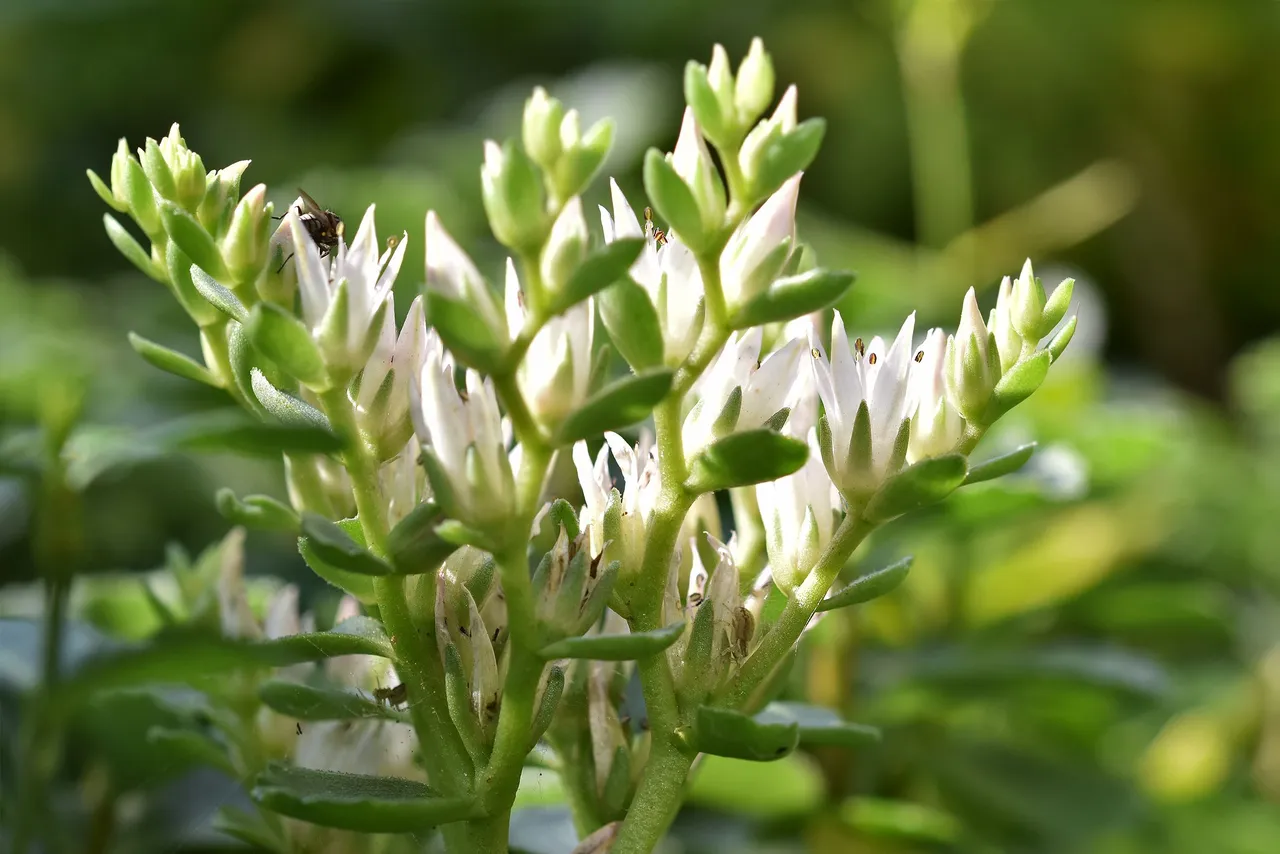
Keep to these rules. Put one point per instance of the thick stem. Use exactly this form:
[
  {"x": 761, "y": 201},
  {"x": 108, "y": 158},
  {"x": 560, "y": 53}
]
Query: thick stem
[
  {"x": 657, "y": 800},
  {"x": 795, "y": 616}
]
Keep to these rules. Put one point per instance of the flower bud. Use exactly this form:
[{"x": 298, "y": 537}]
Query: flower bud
[
  {"x": 759, "y": 248},
  {"x": 570, "y": 588},
  {"x": 566, "y": 247},
  {"x": 720, "y": 76},
  {"x": 753, "y": 90},
  {"x": 382, "y": 396},
  {"x": 692, "y": 162},
  {"x": 513, "y": 197},
  {"x": 1027, "y": 309},
  {"x": 245, "y": 247},
  {"x": 760, "y": 137},
  {"x": 451, "y": 272},
  {"x": 187, "y": 169},
  {"x": 555, "y": 374},
  {"x": 973, "y": 364},
  {"x": 936, "y": 426},
  {"x": 540, "y": 130},
  {"x": 1000, "y": 322},
  {"x": 799, "y": 519},
  {"x": 222, "y": 189}
]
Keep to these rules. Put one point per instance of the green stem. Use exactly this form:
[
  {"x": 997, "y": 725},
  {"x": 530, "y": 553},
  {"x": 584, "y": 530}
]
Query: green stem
[
  {"x": 795, "y": 616},
  {"x": 657, "y": 800}
]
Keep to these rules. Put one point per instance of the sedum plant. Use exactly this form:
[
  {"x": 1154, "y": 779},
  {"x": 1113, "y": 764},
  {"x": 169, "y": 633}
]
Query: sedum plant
[{"x": 488, "y": 623}]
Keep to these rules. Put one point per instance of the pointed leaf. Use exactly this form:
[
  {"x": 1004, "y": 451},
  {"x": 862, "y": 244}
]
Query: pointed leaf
[
  {"x": 195, "y": 242},
  {"x": 1060, "y": 341},
  {"x": 332, "y": 545},
  {"x": 257, "y": 511},
  {"x": 230, "y": 430},
  {"x": 285, "y": 407},
  {"x": 218, "y": 295},
  {"x": 723, "y": 732},
  {"x": 131, "y": 249},
  {"x": 794, "y": 296},
  {"x": 632, "y": 321},
  {"x": 741, "y": 459},
  {"x": 311, "y": 703},
  {"x": 621, "y": 647},
  {"x": 1001, "y": 465},
  {"x": 356, "y": 801},
  {"x": 674, "y": 200},
  {"x": 823, "y": 727},
  {"x": 925, "y": 483},
  {"x": 788, "y": 154},
  {"x": 1017, "y": 385},
  {"x": 283, "y": 339},
  {"x": 873, "y": 585},
  {"x": 464, "y": 331},
  {"x": 617, "y": 405},
  {"x": 547, "y": 707},
  {"x": 599, "y": 270},
  {"x": 414, "y": 546},
  {"x": 354, "y": 636},
  {"x": 357, "y": 584},
  {"x": 191, "y": 746},
  {"x": 171, "y": 361}
]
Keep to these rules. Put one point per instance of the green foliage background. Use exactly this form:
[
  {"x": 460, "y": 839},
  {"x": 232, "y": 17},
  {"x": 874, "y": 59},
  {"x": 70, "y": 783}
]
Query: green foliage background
[{"x": 1084, "y": 658}]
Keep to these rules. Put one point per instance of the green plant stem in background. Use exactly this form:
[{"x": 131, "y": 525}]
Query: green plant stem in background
[{"x": 800, "y": 608}]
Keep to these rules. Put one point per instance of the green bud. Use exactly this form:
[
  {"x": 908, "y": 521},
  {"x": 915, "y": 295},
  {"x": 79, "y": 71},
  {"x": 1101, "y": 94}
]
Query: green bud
[
  {"x": 972, "y": 363},
  {"x": 720, "y": 78},
  {"x": 514, "y": 199},
  {"x": 579, "y": 164},
  {"x": 1027, "y": 309},
  {"x": 158, "y": 171},
  {"x": 753, "y": 90},
  {"x": 120, "y": 173},
  {"x": 540, "y": 130},
  {"x": 692, "y": 162},
  {"x": 702, "y": 100},
  {"x": 245, "y": 247},
  {"x": 222, "y": 188},
  {"x": 566, "y": 247},
  {"x": 138, "y": 192},
  {"x": 187, "y": 170}
]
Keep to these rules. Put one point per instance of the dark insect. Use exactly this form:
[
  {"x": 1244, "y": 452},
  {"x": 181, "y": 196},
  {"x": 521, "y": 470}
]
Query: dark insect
[
  {"x": 299, "y": 729},
  {"x": 659, "y": 236},
  {"x": 393, "y": 697},
  {"x": 324, "y": 227}
]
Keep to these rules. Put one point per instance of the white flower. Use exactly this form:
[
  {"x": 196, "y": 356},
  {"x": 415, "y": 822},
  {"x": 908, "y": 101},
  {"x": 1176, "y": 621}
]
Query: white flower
[
  {"x": 973, "y": 364},
  {"x": 463, "y": 433},
  {"x": 692, "y": 162},
  {"x": 668, "y": 272},
  {"x": 453, "y": 274},
  {"x": 733, "y": 625},
  {"x": 856, "y": 376},
  {"x": 556, "y": 370},
  {"x": 799, "y": 518},
  {"x": 770, "y": 231},
  {"x": 936, "y": 427},
  {"x": 404, "y": 483},
  {"x": 382, "y": 401},
  {"x": 1000, "y": 324},
  {"x": 764, "y": 388},
  {"x": 566, "y": 246},
  {"x": 631, "y": 508},
  {"x": 366, "y": 276}
]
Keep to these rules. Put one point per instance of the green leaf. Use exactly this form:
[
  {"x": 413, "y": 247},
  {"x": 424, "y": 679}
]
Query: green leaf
[
  {"x": 674, "y": 200},
  {"x": 741, "y": 459},
  {"x": 131, "y": 249},
  {"x": 333, "y": 546},
  {"x": 617, "y": 405},
  {"x": 157, "y": 170},
  {"x": 257, "y": 511},
  {"x": 792, "y": 787},
  {"x": 283, "y": 339},
  {"x": 794, "y": 296},
  {"x": 873, "y": 585},
  {"x": 414, "y": 546},
  {"x": 171, "y": 361},
  {"x": 1001, "y": 465},
  {"x": 353, "y": 636},
  {"x": 285, "y": 407},
  {"x": 195, "y": 242},
  {"x": 927, "y": 482},
  {"x": 310, "y": 703},
  {"x": 1060, "y": 341},
  {"x": 599, "y": 270},
  {"x": 249, "y": 828},
  {"x": 632, "y": 321},
  {"x": 218, "y": 295},
  {"x": 356, "y": 801},
  {"x": 823, "y": 727},
  {"x": 230, "y": 430},
  {"x": 547, "y": 707},
  {"x": 191, "y": 746},
  {"x": 788, "y": 154},
  {"x": 723, "y": 732},
  {"x": 702, "y": 99},
  {"x": 464, "y": 331},
  {"x": 1017, "y": 385},
  {"x": 104, "y": 192},
  {"x": 357, "y": 584},
  {"x": 621, "y": 647}
]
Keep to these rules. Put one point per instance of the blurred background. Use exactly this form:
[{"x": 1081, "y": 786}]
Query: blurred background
[{"x": 1086, "y": 656}]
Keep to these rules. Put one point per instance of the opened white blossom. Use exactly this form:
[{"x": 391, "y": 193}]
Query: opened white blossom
[
  {"x": 712, "y": 594},
  {"x": 757, "y": 251},
  {"x": 936, "y": 426},
  {"x": 740, "y": 392},
  {"x": 382, "y": 400},
  {"x": 404, "y": 483},
  {"x": 556, "y": 371},
  {"x": 667, "y": 271},
  {"x": 462, "y": 432},
  {"x": 452, "y": 273},
  {"x": 799, "y": 513},
  {"x": 864, "y": 449},
  {"x": 973, "y": 364},
  {"x": 341, "y": 296},
  {"x": 619, "y": 518}
]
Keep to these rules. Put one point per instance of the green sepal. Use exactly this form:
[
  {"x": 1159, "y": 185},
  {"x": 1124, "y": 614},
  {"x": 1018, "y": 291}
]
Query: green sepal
[
  {"x": 157, "y": 170},
  {"x": 741, "y": 459},
  {"x": 788, "y": 154},
  {"x": 792, "y": 297},
  {"x": 283, "y": 339},
  {"x": 464, "y": 331},
  {"x": 285, "y": 407},
  {"x": 674, "y": 200},
  {"x": 723, "y": 732},
  {"x": 413, "y": 546},
  {"x": 257, "y": 511},
  {"x": 171, "y": 361},
  {"x": 632, "y": 321},
  {"x": 142, "y": 198},
  {"x": 620, "y": 647},
  {"x": 217, "y": 294},
  {"x": 195, "y": 242},
  {"x": 458, "y": 700},
  {"x": 312, "y": 703},
  {"x": 1001, "y": 465},
  {"x": 821, "y": 727},
  {"x": 859, "y": 453},
  {"x": 460, "y": 534},
  {"x": 104, "y": 192},
  {"x": 356, "y": 801},
  {"x": 131, "y": 249},
  {"x": 1055, "y": 308},
  {"x": 331, "y": 544},
  {"x": 1017, "y": 385},
  {"x": 1062, "y": 339},
  {"x": 617, "y": 405},
  {"x": 920, "y": 485},
  {"x": 696, "y": 679},
  {"x": 873, "y": 585}
]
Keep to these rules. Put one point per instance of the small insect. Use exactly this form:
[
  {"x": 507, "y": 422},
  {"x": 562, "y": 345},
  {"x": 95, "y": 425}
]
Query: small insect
[
  {"x": 919, "y": 357},
  {"x": 393, "y": 697},
  {"x": 871, "y": 360},
  {"x": 859, "y": 347},
  {"x": 299, "y": 729},
  {"x": 324, "y": 227},
  {"x": 659, "y": 236}
]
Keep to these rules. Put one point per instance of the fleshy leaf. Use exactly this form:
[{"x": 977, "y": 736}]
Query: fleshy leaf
[
  {"x": 285, "y": 407},
  {"x": 599, "y": 270},
  {"x": 131, "y": 249},
  {"x": 331, "y": 544},
  {"x": 250, "y": 828},
  {"x": 1017, "y": 385},
  {"x": 464, "y": 331},
  {"x": 171, "y": 361},
  {"x": 619, "y": 647},
  {"x": 632, "y": 321},
  {"x": 788, "y": 154},
  {"x": 230, "y": 430},
  {"x": 191, "y": 746},
  {"x": 873, "y": 585},
  {"x": 283, "y": 339},
  {"x": 723, "y": 732},
  {"x": 674, "y": 200},
  {"x": 927, "y": 482},
  {"x": 257, "y": 511},
  {"x": 794, "y": 296},
  {"x": 356, "y": 801},
  {"x": 617, "y": 405},
  {"x": 819, "y": 726},
  {"x": 741, "y": 459},
  {"x": 414, "y": 546},
  {"x": 311, "y": 703},
  {"x": 353, "y": 636},
  {"x": 218, "y": 295},
  {"x": 1001, "y": 465},
  {"x": 195, "y": 242}
]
